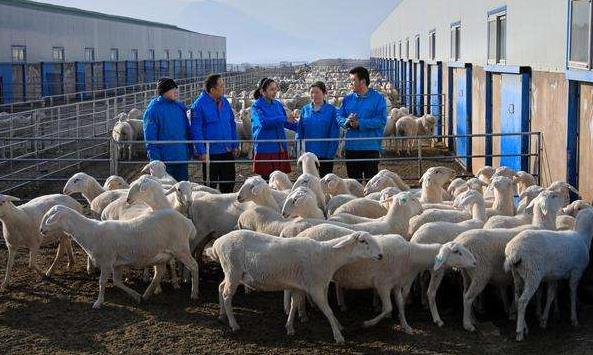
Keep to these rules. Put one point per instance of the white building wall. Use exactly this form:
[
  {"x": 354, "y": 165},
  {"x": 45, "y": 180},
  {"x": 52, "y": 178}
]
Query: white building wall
[{"x": 536, "y": 30}]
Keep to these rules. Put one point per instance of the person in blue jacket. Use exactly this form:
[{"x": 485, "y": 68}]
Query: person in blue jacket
[
  {"x": 212, "y": 118},
  {"x": 319, "y": 120},
  {"x": 363, "y": 114},
  {"x": 165, "y": 119},
  {"x": 268, "y": 120}
]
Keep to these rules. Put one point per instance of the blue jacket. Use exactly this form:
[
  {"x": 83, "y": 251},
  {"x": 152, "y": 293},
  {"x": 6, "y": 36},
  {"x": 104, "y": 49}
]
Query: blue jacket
[
  {"x": 319, "y": 124},
  {"x": 372, "y": 116},
  {"x": 268, "y": 120},
  {"x": 166, "y": 120},
  {"x": 210, "y": 122}
]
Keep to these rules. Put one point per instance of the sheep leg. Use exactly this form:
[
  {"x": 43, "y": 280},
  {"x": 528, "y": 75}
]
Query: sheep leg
[
  {"x": 191, "y": 263},
  {"x": 231, "y": 282},
  {"x": 221, "y": 312},
  {"x": 174, "y": 276},
  {"x": 549, "y": 298},
  {"x": 287, "y": 301},
  {"x": 105, "y": 272},
  {"x": 529, "y": 288},
  {"x": 320, "y": 299},
  {"x": 69, "y": 251},
  {"x": 436, "y": 277},
  {"x": 59, "y": 252},
  {"x": 573, "y": 283},
  {"x": 475, "y": 288},
  {"x": 424, "y": 289},
  {"x": 33, "y": 261},
  {"x": 401, "y": 308},
  {"x": 159, "y": 270},
  {"x": 518, "y": 289},
  {"x": 302, "y": 309},
  {"x": 11, "y": 256},
  {"x": 296, "y": 300},
  {"x": 340, "y": 298},
  {"x": 386, "y": 307},
  {"x": 90, "y": 268},
  {"x": 502, "y": 292},
  {"x": 117, "y": 271}
]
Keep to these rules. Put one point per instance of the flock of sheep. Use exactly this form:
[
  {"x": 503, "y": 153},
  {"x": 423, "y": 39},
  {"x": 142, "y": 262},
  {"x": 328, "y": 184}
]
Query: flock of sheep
[{"x": 298, "y": 237}]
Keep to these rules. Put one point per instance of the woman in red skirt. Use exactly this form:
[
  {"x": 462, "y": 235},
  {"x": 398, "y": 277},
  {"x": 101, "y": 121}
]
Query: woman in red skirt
[{"x": 268, "y": 120}]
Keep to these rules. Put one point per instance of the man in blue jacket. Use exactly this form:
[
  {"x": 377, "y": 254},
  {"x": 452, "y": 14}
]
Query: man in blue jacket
[
  {"x": 165, "y": 119},
  {"x": 212, "y": 119},
  {"x": 363, "y": 114}
]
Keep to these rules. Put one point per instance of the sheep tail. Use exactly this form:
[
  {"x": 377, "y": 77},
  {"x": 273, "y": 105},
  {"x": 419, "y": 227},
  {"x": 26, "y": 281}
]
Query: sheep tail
[
  {"x": 211, "y": 253},
  {"x": 511, "y": 261}
]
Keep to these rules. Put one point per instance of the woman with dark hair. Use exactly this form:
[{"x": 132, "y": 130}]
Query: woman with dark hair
[
  {"x": 319, "y": 120},
  {"x": 268, "y": 120}
]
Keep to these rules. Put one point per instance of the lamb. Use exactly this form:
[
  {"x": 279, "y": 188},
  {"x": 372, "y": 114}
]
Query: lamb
[
  {"x": 384, "y": 178},
  {"x": 301, "y": 203},
  {"x": 134, "y": 114},
  {"x": 257, "y": 190},
  {"x": 280, "y": 181},
  {"x": 97, "y": 197},
  {"x": 333, "y": 185},
  {"x": 432, "y": 182},
  {"x": 411, "y": 127},
  {"x": 488, "y": 246},
  {"x": 564, "y": 188},
  {"x": 303, "y": 266},
  {"x": 115, "y": 182},
  {"x": 245, "y": 134},
  {"x": 485, "y": 174},
  {"x": 362, "y": 207},
  {"x": 384, "y": 199},
  {"x": 535, "y": 256},
  {"x": 20, "y": 229},
  {"x": 394, "y": 115},
  {"x": 158, "y": 169},
  {"x": 309, "y": 164},
  {"x": 523, "y": 218},
  {"x": 567, "y": 220},
  {"x": 312, "y": 182},
  {"x": 151, "y": 239},
  {"x": 523, "y": 180},
  {"x": 503, "y": 197},
  {"x": 121, "y": 133},
  {"x": 471, "y": 184}
]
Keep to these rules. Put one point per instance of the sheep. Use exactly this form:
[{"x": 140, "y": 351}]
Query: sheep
[
  {"x": 333, "y": 185},
  {"x": 488, "y": 246},
  {"x": 432, "y": 182},
  {"x": 385, "y": 200},
  {"x": 471, "y": 184},
  {"x": 567, "y": 220},
  {"x": 135, "y": 114},
  {"x": 148, "y": 240},
  {"x": 443, "y": 232},
  {"x": 309, "y": 164},
  {"x": 121, "y": 133},
  {"x": 523, "y": 180},
  {"x": 384, "y": 178},
  {"x": 390, "y": 127},
  {"x": 301, "y": 203},
  {"x": 362, "y": 207},
  {"x": 485, "y": 174},
  {"x": 257, "y": 190},
  {"x": 20, "y": 229},
  {"x": 503, "y": 197},
  {"x": 115, "y": 182},
  {"x": 454, "y": 185},
  {"x": 158, "y": 169},
  {"x": 534, "y": 256},
  {"x": 313, "y": 183},
  {"x": 303, "y": 266},
  {"x": 564, "y": 188},
  {"x": 280, "y": 181},
  {"x": 411, "y": 127},
  {"x": 244, "y": 132},
  {"x": 97, "y": 197},
  {"x": 524, "y": 217}
]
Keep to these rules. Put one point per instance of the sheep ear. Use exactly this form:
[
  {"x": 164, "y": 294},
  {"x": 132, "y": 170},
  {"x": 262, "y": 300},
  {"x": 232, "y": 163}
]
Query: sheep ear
[
  {"x": 11, "y": 198},
  {"x": 347, "y": 241},
  {"x": 171, "y": 190},
  {"x": 146, "y": 169},
  {"x": 531, "y": 204},
  {"x": 573, "y": 189},
  {"x": 442, "y": 257}
]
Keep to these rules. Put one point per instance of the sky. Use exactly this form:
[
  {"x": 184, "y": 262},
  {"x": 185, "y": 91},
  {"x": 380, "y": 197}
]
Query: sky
[{"x": 264, "y": 31}]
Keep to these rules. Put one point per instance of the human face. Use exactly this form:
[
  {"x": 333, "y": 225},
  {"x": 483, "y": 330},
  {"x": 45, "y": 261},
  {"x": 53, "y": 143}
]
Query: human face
[
  {"x": 271, "y": 92},
  {"x": 317, "y": 96},
  {"x": 357, "y": 85},
  {"x": 218, "y": 90},
  {"x": 172, "y": 94}
]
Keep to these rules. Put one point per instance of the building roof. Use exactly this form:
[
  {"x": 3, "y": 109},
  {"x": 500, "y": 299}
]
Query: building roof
[{"x": 85, "y": 13}]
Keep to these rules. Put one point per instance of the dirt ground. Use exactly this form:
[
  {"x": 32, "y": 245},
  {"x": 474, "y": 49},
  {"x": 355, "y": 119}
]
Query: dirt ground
[{"x": 55, "y": 316}]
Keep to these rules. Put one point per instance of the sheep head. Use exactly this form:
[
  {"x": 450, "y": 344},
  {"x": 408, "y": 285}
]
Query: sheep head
[
  {"x": 306, "y": 158},
  {"x": 77, "y": 184},
  {"x": 378, "y": 183},
  {"x": 115, "y": 182},
  {"x": 453, "y": 254},
  {"x": 280, "y": 181},
  {"x": 438, "y": 174},
  {"x": 134, "y": 114},
  {"x": 251, "y": 188},
  {"x": 575, "y": 207},
  {"x": 363, "y": 244},
  {"x": 140, "y": 187},
  {"x": 330, "y": 183},
  {"x": 467, "y": 199},
  {"x": 564, "y": 188},
  {"x": 155, "y": 168},
  {"x": 6, "y": 202},
  {"x": 505, "y": 171},
  {"x": 547, "y": 202},
  {"x": 300, "y": 198},
  {"x": 50, "y": 222},
  {"x": 501, "y": 184}
]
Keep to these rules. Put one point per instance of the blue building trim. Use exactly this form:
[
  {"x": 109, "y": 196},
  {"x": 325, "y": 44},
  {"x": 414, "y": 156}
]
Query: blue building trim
[
  {"x": 497, "y": 10},
  {"x": 6, "y": 82},
  {"x": 450, "y": 140},
  {"x": 469, "y": 105},
  {"x": 572, "y": 133},
  {"x": 419, "y": 88},
  {"x": 579, "y": 75},
  {"x": 488, "y": 119},
  {"x": 456, "y": 65},
  {"x": 525, "y": 119}
]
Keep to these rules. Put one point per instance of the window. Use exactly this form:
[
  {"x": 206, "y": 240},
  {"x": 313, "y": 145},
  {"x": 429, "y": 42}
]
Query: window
[
  {"x": 58, "y": 54},
  {"x": 179, "y": 54},
  {"x": 456, "y": 42},
  {"x": 19, "y": 54},
  {"x": 114, "y": 54},
  {"x": 89, "y": 54},
  {"x": 134, "y": 54},
  {"x": 432, "y": 45},
  {"x": 167, "y": 56},
  {"x": 407, "y": 48},
  {"x": 580, "y": 34},
  {"x": 417, "y": 47},
  {"x": 497, "y": 33},
  {"x": 151, "y": 54}
]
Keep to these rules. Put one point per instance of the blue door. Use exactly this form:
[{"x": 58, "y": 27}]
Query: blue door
[
  {"x": 462, "y": 146},
  {"x": 435, "y": 100},
  {"x": 53, "y": 79},
  {"x": 419, "y": 89},
  {"x": 405, "y": 83},
  {"x": 109, "y": 75},
  {"x": 514, "y": 118}
]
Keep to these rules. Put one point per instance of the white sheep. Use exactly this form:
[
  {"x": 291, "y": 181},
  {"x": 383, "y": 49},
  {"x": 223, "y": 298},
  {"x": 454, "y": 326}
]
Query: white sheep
[
  {"x": 309, "y": 164},
  {"x": 158, "y": 169},
  {"x": 152, "y": 239},
  {"x": 303, "y": 266},
  {"x": 523, "y": 180},
  {"x": 280, "y": 181},
  {"x": 410, "y": 127},
  {"x": 121, "y": 133},
  {"x": 534, "y": 256},
  {"x": 432, "y": 182},
  {"x": 384, "y": 199},
  {"x": 312, "y": 182},
  {"x": 524, "y": 217},
  {"x": 503, "y": 197},
  {"x": 567, "y": 221},
  {"x": 333, "y": 185},
  {"x": 488, "y": 246},
  {"x": 257, "y": 190},
  {"x": 135, "y": 114},
  {"x": 20, "y": 229},
  {"x": 115, "y": 182}
]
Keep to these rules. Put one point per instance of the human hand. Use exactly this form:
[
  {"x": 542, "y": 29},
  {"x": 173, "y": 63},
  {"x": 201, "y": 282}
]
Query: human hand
[{"x": 292, "y": 118}]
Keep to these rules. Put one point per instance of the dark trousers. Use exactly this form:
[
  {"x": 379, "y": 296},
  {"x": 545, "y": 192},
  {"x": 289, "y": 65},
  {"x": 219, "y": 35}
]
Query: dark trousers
[
  {"x": 224, "y": 171},
  {"x": 326, "y": 167},
  {"x": 178, "y": 171},
  {"x": 362, "y": 170}
]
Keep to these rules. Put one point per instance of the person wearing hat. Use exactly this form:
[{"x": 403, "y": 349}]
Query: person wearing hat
[
  {"x": 212, "y": 119},
  {"x": 268, "y": 120},
  {"x": 165, "y": 119}
]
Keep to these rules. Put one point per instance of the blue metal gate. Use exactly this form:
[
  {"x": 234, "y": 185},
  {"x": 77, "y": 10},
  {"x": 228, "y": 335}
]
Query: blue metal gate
[
  {"x": 52, "y": 75},
  {"x": 419, "y": 109},
  {"x": 462, "y": 103},
  {"x": 435, "y": 91},
  {"x": 109, "y": 75},
  {"x": 131, "y": 72},
  {"x": 514, "y": 118}
]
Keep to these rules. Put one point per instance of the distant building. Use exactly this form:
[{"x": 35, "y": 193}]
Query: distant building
[
  {"x": 501, "y": 67},
  {"x": 50, "y": 50}
]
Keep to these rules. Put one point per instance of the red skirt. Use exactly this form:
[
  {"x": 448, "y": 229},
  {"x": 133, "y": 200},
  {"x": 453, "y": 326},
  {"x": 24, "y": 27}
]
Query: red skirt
[{"x": 265, "y": 168}]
